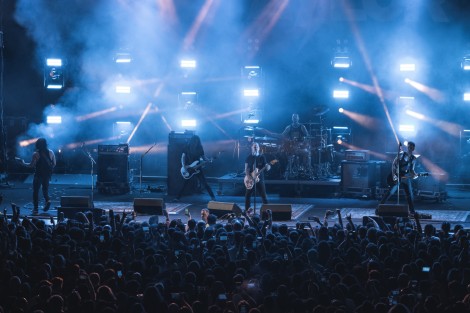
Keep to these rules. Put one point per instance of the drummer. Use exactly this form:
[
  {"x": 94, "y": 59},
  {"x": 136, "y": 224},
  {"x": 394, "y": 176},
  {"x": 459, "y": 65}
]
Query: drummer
[
  {"x": 295, "y": 131},
  {"x": 296, "y": 135}
]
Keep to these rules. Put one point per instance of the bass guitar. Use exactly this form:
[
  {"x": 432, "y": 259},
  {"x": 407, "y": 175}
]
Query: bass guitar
[
  {"x": 392, "y": 181},
  {"x": 192, "y": 169},
  {"x": 253, "y": 178}
]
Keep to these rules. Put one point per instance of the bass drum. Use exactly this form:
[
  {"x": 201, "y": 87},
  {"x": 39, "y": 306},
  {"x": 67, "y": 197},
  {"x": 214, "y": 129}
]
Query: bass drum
[{"x": 323, "y": 155}]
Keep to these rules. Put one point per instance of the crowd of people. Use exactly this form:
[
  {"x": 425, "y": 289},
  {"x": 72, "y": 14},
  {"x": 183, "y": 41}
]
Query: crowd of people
[{"x": 241, "y": 265}]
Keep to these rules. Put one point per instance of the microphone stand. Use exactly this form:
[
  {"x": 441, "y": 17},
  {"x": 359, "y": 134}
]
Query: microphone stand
[
  {"x": 254, "y": 186},
  {"x": 93, "y": 162},
  {"x": 398, "y": 174},
  {"x": 141, "y": 158}
]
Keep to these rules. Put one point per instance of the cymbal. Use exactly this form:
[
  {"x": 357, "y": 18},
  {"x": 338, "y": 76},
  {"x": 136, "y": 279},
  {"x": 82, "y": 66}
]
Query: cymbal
[
  {"x": 320, "y": 110},
  {"x": 264, "y": 138}
]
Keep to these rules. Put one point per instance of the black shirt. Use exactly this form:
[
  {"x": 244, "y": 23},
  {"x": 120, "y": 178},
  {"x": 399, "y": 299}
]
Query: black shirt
[{"x": 259, "y": 161}]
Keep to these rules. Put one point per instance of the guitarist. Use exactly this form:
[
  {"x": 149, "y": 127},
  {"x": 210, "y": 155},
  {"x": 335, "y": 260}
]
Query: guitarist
[
  {"x": 43, "y": 161},
  {"x": 404, "y": 165},
  {"x": 255, "y": 162},
  {"x": 194, "y": 152}
]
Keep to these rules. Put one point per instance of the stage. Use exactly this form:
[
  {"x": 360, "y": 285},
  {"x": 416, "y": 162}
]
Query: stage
[{"x": 308, "y": 204}]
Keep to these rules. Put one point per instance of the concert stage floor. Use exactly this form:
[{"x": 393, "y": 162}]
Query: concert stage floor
[{"x": 314, "y": 199}]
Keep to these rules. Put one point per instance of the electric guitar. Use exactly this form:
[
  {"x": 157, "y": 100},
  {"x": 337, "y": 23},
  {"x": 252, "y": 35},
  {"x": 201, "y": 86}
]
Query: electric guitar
[
  {"x": 392, "y": 181},
  {"x": 253, "y": 178},
  {"x": 192, "y": 169}
]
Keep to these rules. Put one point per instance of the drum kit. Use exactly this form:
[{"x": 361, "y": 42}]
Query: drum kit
[{"x": 307, "y": 158}]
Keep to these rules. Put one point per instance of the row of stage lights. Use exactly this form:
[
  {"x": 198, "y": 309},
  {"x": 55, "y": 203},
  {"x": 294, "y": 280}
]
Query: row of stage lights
[{"x": 251, "y": 77}]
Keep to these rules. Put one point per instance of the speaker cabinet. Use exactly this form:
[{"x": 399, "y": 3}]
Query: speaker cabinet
[
  {"x": 396, "y": 210},
  {"x": 70, "y": 212},
  {"x": 221, "y": 208},
  {"x": 176, "y": 144},
  {"x": 149, "y": 206},
  {"x": 359, "y": 177},
  {"x": 83, "y": 202},
  {"x": 280, "y": 212},
  {"x": 113, "y": 168}
]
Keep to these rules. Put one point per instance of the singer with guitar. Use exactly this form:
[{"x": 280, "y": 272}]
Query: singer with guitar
[
  {"x": 404, "y": 166},
  {"x": 192, "y": 156},
  {"x": 255, "y": 165}
]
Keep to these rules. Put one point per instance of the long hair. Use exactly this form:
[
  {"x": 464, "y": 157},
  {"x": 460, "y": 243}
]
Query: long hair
[
  {"x": 41, "y": 145},
  {"x": 195, "y": 146}
]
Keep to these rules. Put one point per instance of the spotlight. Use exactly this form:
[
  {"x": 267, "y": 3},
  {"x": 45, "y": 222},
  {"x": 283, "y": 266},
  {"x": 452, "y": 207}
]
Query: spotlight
[
  {"x": 340, "y": 139},
  {"x": 340, "y": 110},
  {"x": 341, "y": 79},
  {"x": 53, "y": 74},
  {"x": 466, "y": 96}
]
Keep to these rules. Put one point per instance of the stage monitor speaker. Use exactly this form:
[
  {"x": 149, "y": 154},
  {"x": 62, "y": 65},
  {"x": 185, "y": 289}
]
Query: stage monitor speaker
[
  {"x": 149, "y": 206},
  {"x": 70, "y": 212},
  {"x": 222, "y": 208},
  {"x": 280, "y": 212},
  {"x": 396, "y": 210},
  {"x": 83, "y": 202}
]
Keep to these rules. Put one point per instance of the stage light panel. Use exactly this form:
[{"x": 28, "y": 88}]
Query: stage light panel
[
  {"x": 251, "y": 92},
  {"x": 187, "y": 99},
  {"x": 123, "y": 57},
  {"x": 53, "y": 74},
  {"x": 340, "y": 94},
  {"x": 466, "y": 63},
  {"x": 406, "y": 128},
  {"x": 341, "y": 62},
  {"x": 251, "y": 121},
  {"x": 407, "y": 67},
  {"x": 54, "y": 62},
  {"x": 251, "y": 72},
  {"x": 54, "y": 119},
  {"x": 188, "y": 123},
  {"x": 122, "y": 128},
  {"x": 123, "y": 89},
  {"x": 186, "y": 63}
]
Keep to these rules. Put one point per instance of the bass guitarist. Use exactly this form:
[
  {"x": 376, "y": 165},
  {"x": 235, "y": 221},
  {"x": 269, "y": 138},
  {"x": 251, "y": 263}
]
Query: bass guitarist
[
  {"x": 403, "y": 165},
  {"x": 191, "y": 153},
  {"x": 255, "y": 163}
]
